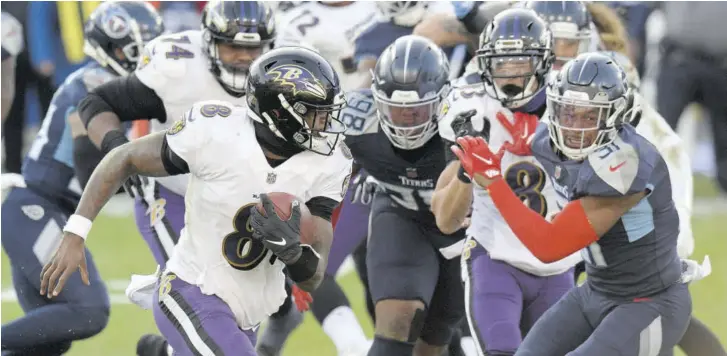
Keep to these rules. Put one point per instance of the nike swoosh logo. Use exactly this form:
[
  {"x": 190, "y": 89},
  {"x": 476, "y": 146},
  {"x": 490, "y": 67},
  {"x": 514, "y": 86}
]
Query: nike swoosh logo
[
  {"x": 614, "y": 169},
  {"x": 483, "y": 159},
  {"x": 281, "y": 242}
]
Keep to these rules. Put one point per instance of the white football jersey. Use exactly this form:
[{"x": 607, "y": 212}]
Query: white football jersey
[
  {"x": 331, "y": 31},
  {"x": 227, "y": 172},
  {"x": 657, "y": 131},
  {"x": 524, "y": 174},
  {"x": 176, "y": 67}
]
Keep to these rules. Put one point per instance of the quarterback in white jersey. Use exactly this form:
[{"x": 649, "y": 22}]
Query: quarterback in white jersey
[
  {"x": 175, "y": 71},
  {"x": 330, "y": 28},
  {"x": 227, "y": 272},
  {"x": 501, "y": 275}
]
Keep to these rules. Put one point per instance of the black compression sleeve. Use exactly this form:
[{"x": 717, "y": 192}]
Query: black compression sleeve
[
  {"x": 173, "y": 164},
  {"x": 85, "y": 158},
  {"x": 321, "y": 207},
  {"x": 127, "y": 97}
]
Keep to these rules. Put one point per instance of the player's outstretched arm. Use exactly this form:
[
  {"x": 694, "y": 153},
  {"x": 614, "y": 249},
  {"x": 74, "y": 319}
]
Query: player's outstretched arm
[
  {"x": 143, "y": 156},
  {"x": 452, "y": 198},
  {"x": 580, "y": 223}
]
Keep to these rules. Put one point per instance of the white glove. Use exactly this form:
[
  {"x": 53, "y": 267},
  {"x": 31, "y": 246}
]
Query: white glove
[
  {"x": 10, "y": 180},
  {"x": 692, "y": 271},
  {"x": 365, "y": 189}
]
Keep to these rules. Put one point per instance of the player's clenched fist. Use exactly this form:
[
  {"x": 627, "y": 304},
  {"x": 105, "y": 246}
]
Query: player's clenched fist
[
  {"x": 282, "y": 237},
  {"x": 477, "y": 160}
]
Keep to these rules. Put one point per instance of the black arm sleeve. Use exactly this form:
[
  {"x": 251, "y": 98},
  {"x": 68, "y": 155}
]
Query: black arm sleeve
[
  {"x": 127, "y": 97},
  {"x": 173, "y": 164},
  {"x": 85, "y": 159},
  {"x": 321, "y": 207}
]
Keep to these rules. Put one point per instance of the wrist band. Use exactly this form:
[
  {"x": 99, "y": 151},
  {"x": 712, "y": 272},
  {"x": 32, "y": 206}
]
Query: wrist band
[
  {"x": 462, "y": 176},
  {"x": 78, "y": 225}
]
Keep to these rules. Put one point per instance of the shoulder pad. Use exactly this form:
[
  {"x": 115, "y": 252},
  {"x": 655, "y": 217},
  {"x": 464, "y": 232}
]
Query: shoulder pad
[
  {"x": 624, "y": 167},
  {"x": 165, "y": 57},
  {"x": 462, "y": 99},
  {"x": 93, "y": 77},
  {"x": 359, "y": 114},
  {"x": 12, "y": 34}
]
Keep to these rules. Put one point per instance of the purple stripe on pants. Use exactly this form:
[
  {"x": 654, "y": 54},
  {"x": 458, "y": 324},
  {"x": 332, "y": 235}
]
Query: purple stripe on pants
[
  {"x": 198, "y": 324},
  {"x": 160, "y": 219}
]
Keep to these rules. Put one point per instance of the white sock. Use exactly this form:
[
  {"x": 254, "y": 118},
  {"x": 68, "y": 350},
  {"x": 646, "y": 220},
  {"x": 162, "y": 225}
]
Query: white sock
[
  {"x": 344, "y": 330},
  {"x": 468, "y": 346}
]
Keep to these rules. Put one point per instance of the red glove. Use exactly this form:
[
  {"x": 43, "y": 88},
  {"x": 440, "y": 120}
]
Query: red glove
[
  {"x": 522, "y": 132},
  {"x": 301, "y": 298},
  {"x": 476, "y": 158}
]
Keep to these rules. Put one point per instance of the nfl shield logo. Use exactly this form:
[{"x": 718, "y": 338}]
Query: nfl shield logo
[
  {"x": 271, "y": 178},
  {"x": 411, "y": 173},
  {"x": 557, "y": 172}
]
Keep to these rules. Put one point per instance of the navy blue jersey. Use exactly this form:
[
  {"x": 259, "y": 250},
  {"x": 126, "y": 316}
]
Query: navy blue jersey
[
  {"x": 407, "y": 176},
  {"x": 48, "y": 168},
  {"x": 637, "y": 257}
]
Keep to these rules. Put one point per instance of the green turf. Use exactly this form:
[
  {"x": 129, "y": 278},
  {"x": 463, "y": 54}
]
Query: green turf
[{"x": 120, "y": 251}]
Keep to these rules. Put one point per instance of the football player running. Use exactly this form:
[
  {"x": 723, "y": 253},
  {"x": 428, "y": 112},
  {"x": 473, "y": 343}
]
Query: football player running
[
  {"x": 508, "y": 289},
  {"x": 175, "y": 71},
  {"x": 413, "y": 277},
  {"x": 617, "y": 209},
  {"x": 226, "y": 273},
  {"x": 328, "y": 27},
  {"x": 698, "y": 339},
  {"x": 34, "y": 213}
]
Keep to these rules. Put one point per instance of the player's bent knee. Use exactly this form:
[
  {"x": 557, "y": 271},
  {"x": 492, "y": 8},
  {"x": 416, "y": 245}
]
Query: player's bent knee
[
  {"x": 95, "y": 320},
  {"x": 400, "y": 320}
]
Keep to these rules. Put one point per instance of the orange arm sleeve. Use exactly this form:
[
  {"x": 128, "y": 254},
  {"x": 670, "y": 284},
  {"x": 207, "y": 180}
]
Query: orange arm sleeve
[{"x": 569, "y": 232}]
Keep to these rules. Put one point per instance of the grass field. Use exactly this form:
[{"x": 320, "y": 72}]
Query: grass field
[{"x": 119, "y": 251}]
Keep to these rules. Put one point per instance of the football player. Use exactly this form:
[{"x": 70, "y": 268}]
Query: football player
[
  {"x": 330, "y": 28},
  {"x": 508, "y": 288},
  {"x": 12, "y": 45},
  {"x": 32, "y": 216},
  {"x": 616, "y": 194},
  {"x": 414, "y": 279},
  {"x": 174, "y": 71},
  {"x": 226, "y": 273},
  {"x": 698, "y": 339}
]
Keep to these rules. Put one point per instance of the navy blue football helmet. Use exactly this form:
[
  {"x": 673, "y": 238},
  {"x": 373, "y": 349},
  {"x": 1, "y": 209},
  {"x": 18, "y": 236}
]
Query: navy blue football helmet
[
  {"x": 411, "y": 79},
  {"x": 245, "y": 29},
  {"x": 117, "y": 31},
  {"x": 515, "y": 56},
  {"x": 570, "y": 23},
  {"x": 587, "y": 104}
]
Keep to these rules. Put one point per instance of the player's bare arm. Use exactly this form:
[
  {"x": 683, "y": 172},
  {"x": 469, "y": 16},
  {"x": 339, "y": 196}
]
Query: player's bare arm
[
  {"x": 446, "y": 31},
  {"x": 143, "y": 156},
  {"x": 7, "y": 84},
  {"x": 322, "y": 245},
  {"x": 451, "y": 200}
]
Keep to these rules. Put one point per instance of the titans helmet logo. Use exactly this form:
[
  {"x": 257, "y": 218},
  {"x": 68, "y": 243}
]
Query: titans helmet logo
[{"x": 298, "y": 80}]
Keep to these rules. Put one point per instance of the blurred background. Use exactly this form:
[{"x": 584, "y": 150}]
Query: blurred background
[{"x": 670, "y": 52}]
